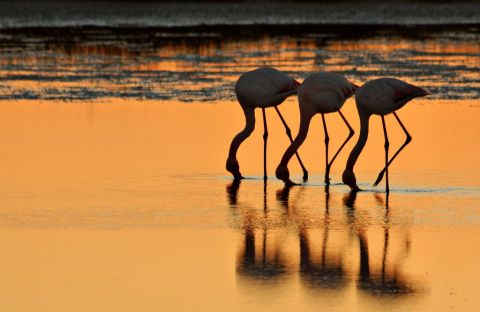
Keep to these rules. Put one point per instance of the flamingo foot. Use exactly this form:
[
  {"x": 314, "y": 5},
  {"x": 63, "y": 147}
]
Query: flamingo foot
[{"x": 379, "y": 178}]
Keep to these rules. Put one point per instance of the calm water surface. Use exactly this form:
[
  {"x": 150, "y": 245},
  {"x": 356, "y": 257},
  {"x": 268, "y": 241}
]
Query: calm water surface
[{"x": 118, "y": 197}]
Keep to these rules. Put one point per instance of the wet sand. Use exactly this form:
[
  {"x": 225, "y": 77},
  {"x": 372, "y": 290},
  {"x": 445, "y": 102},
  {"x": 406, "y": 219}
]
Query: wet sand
[{"x": 126, "y": 205}]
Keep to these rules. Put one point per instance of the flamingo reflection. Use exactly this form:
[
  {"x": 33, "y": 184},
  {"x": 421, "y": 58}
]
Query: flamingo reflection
[
  {"x": 378, "y": 281},
  {"x": 257, "y": 260},
  {"x": 328, "y": 271},
  {"x": 323, "y": 261}
]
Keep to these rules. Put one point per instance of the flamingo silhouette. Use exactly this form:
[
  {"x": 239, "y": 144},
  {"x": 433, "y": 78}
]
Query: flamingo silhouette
[
  {"x": 380, "y": 97},
  {"x": 262, "y": 87},
  {"x": 320, "y": 93}
]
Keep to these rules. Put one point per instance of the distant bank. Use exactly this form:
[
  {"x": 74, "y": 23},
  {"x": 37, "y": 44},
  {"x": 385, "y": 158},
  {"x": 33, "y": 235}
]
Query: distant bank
[{"x": 179, "y": 14}]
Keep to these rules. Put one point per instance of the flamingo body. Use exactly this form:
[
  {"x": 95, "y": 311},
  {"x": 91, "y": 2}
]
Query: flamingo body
[
  {"x": 264, "y": 87},
  {"x": 385, "y": 95},
  {"x": 324, "y": 92}
]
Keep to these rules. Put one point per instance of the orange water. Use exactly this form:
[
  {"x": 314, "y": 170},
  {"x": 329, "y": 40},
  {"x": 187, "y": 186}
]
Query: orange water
[{"x": 125, "y": 205}]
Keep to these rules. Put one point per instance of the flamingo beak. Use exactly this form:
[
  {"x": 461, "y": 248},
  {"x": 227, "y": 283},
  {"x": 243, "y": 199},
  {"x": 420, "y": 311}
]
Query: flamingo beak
[{"x": 356, "y": 189}]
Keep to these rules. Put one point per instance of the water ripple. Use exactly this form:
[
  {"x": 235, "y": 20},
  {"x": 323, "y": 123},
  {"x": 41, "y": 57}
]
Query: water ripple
[{"x": 100, "y": 63}]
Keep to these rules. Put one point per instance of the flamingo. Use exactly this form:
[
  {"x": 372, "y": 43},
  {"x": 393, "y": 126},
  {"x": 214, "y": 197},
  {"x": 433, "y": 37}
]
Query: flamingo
[
  {"x": 263, "y": 87},
  {"x": 320, "y": 93},
  {"x": 379, "y": 97}
]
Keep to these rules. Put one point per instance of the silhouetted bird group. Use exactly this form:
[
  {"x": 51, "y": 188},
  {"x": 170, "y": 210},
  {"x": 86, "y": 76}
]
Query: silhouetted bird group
[{"x": 320, "y": 93}]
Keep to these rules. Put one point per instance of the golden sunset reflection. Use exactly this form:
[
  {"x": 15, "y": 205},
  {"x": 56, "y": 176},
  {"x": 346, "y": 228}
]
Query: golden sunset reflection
[{"x": 172, "y": 214}]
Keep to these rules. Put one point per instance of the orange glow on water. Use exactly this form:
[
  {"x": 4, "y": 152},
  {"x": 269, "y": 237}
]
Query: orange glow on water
[
  {"x": 127, "y": 202},
  {"x": 101, "y": 195}
]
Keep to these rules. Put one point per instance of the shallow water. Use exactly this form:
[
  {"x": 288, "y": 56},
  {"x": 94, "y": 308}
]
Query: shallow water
[
  {"x": 109, "y": 202},
  {"x": 127, "y": 203}
]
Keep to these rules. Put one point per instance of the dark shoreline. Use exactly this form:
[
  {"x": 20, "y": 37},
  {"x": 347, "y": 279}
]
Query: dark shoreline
[{"x": 348, "y": 31}]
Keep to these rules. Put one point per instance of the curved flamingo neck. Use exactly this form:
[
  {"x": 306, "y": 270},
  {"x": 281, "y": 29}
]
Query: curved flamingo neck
[
  {"x": 299, "y": 139},
  {"x": 362, "y": 139},
  {"x": 245, "y": 133}
]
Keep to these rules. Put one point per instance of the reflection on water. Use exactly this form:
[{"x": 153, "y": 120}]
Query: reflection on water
[
  {"x": 328, "y": 272},
  {"x": 89, "y": 64},
  {"x": 267, "y": 262},
  {"x": 385, "y": 280},
  {"x": 126, "y": 204},
  {"x": 288, "y": 237}
]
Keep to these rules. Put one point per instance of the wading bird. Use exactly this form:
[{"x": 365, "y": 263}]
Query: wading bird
[
  {"x": 263, "y": 88},
  {"x": 320, "y": 93},
  {"x": 379, "y": 97}
]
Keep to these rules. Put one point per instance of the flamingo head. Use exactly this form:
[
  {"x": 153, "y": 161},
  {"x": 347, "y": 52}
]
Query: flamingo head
[
  {"x": 348, "y": 177},
  {"x": 282, "y": 173},
  {"x": 234, "y": 168}
]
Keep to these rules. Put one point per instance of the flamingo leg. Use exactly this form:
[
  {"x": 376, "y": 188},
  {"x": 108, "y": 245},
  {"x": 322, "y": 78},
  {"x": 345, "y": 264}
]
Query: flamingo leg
[
  {"x": 327, "y": 140},
  {"x": 387, "y": 144},
  {"x": 407, "y": 140},
  {"x": 350, "y": 135},
  {"x": 265, "y": 137},
  {"x": 289, "y": 134}
]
